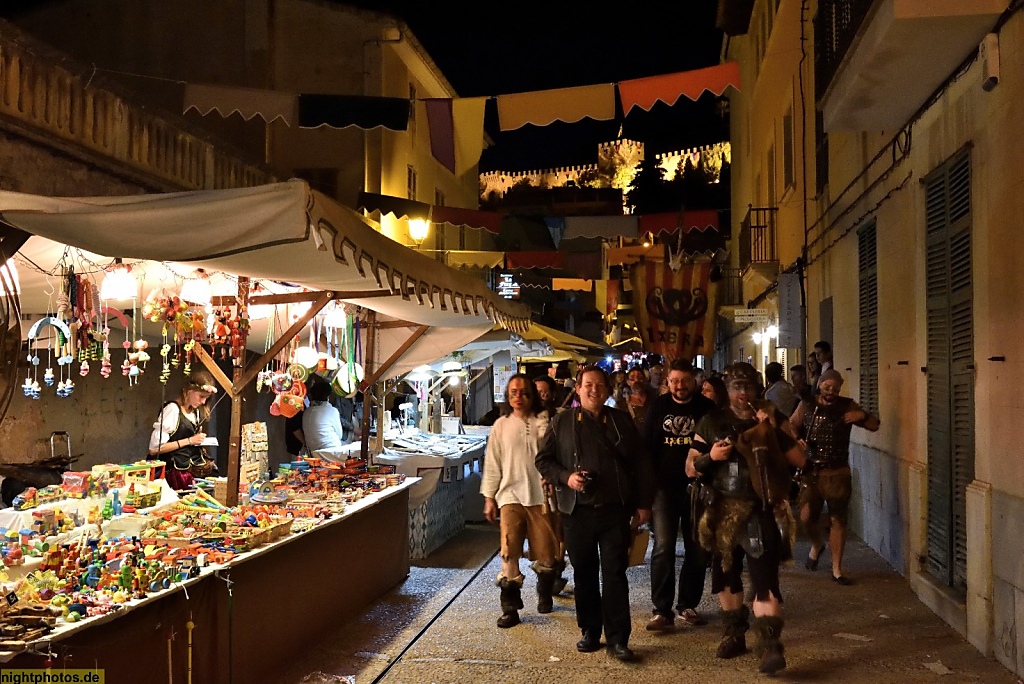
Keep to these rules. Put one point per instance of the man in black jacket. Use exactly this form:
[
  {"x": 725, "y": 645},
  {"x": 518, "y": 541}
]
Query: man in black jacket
[
  {"x": 671, "y": 422},
  {"x": 597, "y": 459}
]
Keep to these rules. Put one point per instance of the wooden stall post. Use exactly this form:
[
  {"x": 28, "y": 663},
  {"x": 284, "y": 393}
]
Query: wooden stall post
[{"x": 235, "y": 438}]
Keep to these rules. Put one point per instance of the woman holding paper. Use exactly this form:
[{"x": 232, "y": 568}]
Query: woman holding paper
[{"x": 178, "y": 435}]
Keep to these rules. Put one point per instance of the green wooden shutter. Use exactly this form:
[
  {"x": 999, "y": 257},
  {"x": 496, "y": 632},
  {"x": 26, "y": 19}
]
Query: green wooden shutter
[
  {"x": 868, "y": 296},
  {"x": 961, "y": 342},
  {"x": 950, "y": 349}
]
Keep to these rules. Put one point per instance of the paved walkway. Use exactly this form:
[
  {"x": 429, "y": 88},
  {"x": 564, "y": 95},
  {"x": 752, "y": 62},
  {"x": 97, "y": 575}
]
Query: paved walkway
[{"x": 874, "y": 631}]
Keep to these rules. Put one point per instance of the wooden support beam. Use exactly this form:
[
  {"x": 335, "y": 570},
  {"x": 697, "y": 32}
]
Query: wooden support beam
[
  {"x": 384, "y": 367},
  {"x": 371, "y": 344},
  {"x": 283, "y": 340},
  {"x": 235, "y": 437},
  {"x": 222, "y": 379},
  {"x": 383, "y": 325}
]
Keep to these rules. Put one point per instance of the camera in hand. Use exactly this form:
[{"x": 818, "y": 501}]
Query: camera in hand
[{"x": 589, "y": 481}]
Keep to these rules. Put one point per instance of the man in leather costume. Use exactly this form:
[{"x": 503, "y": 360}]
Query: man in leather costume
[
  {"x": 742, "y": 456},
  {"x": 824, "y": 423},
  {"x": 596, "y": 458}
]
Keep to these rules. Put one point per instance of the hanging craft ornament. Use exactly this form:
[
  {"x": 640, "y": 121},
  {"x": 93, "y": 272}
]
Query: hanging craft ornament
[
  {"x": 189, "y": 346},
  {"x": 165, "y": 374}
]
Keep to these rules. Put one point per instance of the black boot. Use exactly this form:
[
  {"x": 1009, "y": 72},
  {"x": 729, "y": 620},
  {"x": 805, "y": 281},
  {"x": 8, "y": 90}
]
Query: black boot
[
  {"x": 734, "y": 641},
  {"x": 560, "y": 579},
  {"x": 511, "y": 601},
  {"x": 769, "y": 648},
  {"x": 545, "y": 588}
]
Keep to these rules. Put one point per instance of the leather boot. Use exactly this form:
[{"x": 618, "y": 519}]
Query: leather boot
[
  {"x": 560, "y": 579},
  {"x": 511, "y": 601},
  {"x": 734, "y": 640},
  {"x": 769, "y": 649},
  {"x": 545, "y": 589}
]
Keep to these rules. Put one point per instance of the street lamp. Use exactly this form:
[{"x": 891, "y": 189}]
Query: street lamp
[{"x": 418, "y": 229}]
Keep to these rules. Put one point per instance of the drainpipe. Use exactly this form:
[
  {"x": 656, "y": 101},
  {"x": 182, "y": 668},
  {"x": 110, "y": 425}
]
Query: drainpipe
[
  {"x": 802, "y": 261},
  {"x": 389, "y": 34}
]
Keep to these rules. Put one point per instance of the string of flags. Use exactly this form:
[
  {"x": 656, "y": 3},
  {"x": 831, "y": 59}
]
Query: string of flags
[{"x": 456, "y": 125}]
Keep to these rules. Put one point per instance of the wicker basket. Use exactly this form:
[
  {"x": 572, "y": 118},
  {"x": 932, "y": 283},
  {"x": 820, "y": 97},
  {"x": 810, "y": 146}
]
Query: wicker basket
[{"x": 278, "y": 529}]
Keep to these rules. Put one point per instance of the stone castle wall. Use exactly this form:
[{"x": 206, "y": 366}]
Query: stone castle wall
[{"x": 616, "y": 165}]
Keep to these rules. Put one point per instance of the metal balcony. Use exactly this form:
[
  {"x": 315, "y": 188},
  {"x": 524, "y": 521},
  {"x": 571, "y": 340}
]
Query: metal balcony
[
  {"x": 757, "y": 236},
  {"x": 878, "y": 61}
]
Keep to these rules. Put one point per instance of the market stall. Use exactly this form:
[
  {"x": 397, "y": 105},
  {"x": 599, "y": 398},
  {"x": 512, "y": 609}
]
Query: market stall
[{"x": 273, "y": 246}]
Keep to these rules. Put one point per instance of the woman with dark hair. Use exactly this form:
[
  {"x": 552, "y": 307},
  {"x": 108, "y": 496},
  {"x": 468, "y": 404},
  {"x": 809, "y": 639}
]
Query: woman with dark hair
[
  {"x": 714, "y": 389},
  {"x": 321, "y": 422},
  {"x": 178, "y": 432},
  {"x": 547, "y": 390}
]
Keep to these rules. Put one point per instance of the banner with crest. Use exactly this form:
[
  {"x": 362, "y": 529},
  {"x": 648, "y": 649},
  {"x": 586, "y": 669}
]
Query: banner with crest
[{"x": 675, "y": 310}]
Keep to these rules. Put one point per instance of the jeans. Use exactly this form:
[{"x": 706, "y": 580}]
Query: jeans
[
  {"x": 598, "y": 540},
  {"x": 672, "y": 512}
]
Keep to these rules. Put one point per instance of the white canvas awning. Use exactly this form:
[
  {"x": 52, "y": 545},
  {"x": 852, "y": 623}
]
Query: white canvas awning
[{"x": 283, "y": 234}]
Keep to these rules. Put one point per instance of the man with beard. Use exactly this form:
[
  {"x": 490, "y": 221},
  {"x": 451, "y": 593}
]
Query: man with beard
[
  {"x": 670, "y": 426},
  {"x": 596, "y": 458},
  {"x": 824, "y": 423},
  {"x": 512, "y": 485},
  {"x": 744, "y": 457}
]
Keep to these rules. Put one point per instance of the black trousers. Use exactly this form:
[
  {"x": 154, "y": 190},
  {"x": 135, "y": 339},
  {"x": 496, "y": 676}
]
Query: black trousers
[
  {"x": 598, "y": 540},
  {"x": 672, "y": 514}
]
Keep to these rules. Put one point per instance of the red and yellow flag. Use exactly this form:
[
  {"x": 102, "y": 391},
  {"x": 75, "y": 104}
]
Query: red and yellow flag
[{"x": 675, "y": 310}]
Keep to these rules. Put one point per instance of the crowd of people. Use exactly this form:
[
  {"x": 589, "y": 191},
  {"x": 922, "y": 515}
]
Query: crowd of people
[{"x": 710, "y": 457}]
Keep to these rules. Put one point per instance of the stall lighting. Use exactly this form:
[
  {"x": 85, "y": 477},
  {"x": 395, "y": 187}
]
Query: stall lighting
[
  {"x": 119, "y": 284},
  {"x": 197, "y": 290},
  {"x": 772, "y": 331},
  {"x": 757, "y": 338},
  {"x": 418, "y": 229},
  {"x": 307, "y": 357}
]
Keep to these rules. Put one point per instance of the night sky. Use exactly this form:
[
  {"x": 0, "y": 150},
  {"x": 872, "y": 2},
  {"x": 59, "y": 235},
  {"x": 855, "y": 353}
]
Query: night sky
[{"x": 524, "y": 46}]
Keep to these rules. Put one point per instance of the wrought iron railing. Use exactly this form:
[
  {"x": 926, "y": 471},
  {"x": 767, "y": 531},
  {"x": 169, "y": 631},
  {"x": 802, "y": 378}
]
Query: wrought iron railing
[
  {"x": 835, "y": 27},
  {"x": 757, "y": 236}
]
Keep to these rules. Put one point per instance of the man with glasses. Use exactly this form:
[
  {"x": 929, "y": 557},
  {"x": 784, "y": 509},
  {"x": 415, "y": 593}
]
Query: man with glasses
[
  {"x": 512, "y": 486},
  {"x": 743, "y": 456},
  {"x": 825, "y": 422},
  {"x": 597, "y": 459},
  {"x": 669, "y": 434}
]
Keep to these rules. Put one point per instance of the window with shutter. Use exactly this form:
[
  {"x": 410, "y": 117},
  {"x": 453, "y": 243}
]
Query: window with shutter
[
  {"x": 950, "y": 349},
  {"x": 868, "y": 296}
]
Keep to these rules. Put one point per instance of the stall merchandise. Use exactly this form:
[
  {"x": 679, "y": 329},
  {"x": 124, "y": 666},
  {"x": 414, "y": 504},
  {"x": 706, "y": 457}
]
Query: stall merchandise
[{"x": 90, "y": 552}]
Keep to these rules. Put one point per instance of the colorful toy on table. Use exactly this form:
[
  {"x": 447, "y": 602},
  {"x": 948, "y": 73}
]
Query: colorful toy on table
[
  {"x": 109, "y": 475},
  {"x": 25, "y": 500},
  {"x": 76, "y": 484},
  {"x": 11, "y": 552}
]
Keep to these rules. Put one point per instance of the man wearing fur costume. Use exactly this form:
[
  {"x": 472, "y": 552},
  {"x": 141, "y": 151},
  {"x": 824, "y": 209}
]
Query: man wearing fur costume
[
  {"x": 824, "y": 422},
  {"x": 743, "y": 456}
]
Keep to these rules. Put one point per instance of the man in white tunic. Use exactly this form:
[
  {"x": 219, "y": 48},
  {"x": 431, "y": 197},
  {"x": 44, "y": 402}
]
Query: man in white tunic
[{"x": 512, "y": 491}]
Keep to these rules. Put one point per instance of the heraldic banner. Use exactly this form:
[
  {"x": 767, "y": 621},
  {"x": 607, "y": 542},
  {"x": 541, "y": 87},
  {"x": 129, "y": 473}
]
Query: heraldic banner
[{"x": 675, "y": 310}]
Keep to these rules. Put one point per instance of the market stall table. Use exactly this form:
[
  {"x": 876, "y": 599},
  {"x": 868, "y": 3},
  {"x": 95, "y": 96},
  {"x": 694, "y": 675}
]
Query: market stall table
[
  {"x": 252, "y": 614},
  {"x": 437, "y": 509}
]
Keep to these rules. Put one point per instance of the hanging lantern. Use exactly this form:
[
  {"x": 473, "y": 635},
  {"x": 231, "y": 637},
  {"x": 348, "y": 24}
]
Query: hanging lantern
[
  {"x": 197, "y": 290},
  {"x": 119, "y": 284}
]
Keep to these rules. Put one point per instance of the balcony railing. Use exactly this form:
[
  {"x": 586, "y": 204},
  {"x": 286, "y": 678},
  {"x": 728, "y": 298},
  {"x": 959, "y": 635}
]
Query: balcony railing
[
  {"x": 757, "y": 236},
  {"x": 835, "y": 27}
]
